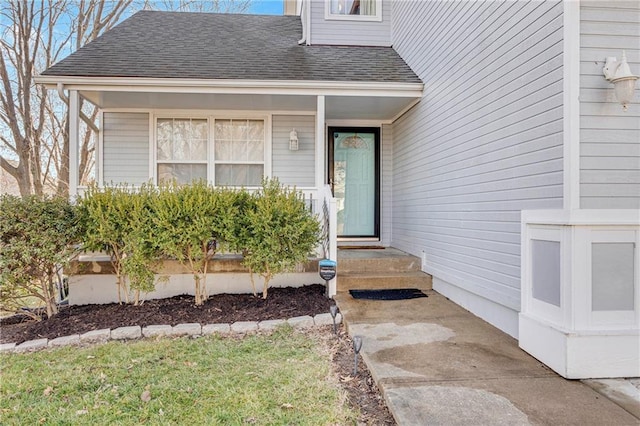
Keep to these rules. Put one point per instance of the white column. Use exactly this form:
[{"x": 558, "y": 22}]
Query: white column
[
  {"x": 571, "y": 104},
  {"x": 320, "y": 143},
  {"x": 74, "y": 117}
]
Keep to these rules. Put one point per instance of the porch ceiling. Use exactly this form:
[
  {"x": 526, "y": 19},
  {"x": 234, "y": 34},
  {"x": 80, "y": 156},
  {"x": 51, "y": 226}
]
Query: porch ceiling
[{"x": 337, "y": 107}]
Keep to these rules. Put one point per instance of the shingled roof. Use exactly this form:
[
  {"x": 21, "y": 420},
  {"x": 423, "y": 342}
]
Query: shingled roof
[{"x": 224, "y": 46}]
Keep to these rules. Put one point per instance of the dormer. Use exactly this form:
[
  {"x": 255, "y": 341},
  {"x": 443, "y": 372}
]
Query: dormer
[{"x": 346, "y": 22}]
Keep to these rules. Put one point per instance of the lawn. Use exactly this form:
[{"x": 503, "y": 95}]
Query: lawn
[{"x": 283, "y": 378}]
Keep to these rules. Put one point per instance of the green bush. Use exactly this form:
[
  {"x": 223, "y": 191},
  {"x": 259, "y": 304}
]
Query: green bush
[
  {"x": 117, "y": 220},
  {"x": 192, "y": 222},
  {"x": 37, "y": 238},
  {"x": 277, "y": 232}
]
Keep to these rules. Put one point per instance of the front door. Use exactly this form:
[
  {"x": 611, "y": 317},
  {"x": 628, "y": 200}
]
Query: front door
[{"x": 354, "y": 173}]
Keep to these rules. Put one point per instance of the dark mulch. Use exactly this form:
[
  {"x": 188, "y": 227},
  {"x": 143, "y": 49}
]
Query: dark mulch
[{"x": 221, "y": 308}]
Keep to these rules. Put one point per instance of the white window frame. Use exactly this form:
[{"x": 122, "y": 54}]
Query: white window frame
[
  {"x": 181, "y": 117},
  {"x": 214, "y": 161},
  {"x": 211, "y": 116},
  {"x": 366, "y": 18}
]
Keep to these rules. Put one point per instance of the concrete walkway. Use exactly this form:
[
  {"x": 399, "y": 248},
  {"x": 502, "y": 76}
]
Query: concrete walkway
[{"x": 438, "y": 364}]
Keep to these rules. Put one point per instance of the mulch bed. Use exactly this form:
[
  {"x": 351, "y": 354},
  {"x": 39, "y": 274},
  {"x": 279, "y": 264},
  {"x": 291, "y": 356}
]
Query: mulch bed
[{"x": 282, "y": 303}]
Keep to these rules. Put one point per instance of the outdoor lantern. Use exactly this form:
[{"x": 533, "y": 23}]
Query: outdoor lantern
[
  {"x": 619, "y": 73},
  {"x": 333, "y": 310},
  {"x": 357, "y": 345},
  {"x": 293, "y": 140}
]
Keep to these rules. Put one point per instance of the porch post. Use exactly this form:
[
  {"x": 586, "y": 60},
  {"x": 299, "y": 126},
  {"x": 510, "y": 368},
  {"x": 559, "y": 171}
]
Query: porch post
[
  {"x": 320, "y": 142},
  {"x": 74, "y": 109}
]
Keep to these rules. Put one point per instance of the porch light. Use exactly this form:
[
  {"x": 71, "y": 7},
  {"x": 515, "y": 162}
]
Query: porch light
[
  {"x": 619, "y": 73},
  {"x": 293, "y": 140}
]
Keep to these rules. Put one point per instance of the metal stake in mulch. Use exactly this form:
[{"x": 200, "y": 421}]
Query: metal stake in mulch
[
  {"x": 357, "y": 345},
  {"x": 333, "y": 310}
]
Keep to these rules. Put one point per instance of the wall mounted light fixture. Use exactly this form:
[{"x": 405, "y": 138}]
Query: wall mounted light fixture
[
  {"x": 293, "y": 140},
  {"x": 624, "y": 82}
]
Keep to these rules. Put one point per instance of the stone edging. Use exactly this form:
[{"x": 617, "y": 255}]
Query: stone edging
[{"x": 190, "y": 329}]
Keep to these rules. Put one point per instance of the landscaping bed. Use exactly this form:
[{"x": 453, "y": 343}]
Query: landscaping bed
[{"x": 282, "y": 303}]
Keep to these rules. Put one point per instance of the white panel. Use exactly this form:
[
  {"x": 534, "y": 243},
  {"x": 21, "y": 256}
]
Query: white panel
[
  {"x": 294, "y": 167},
  {"x": 349, "y": 32},
  {"x": 545, "y": 271},
  {"x": 610, "y": 137},
  {"x": 612, "y": 276},
  {"x": 484, "y": 143},
  {"x": 126, "y": 147}
]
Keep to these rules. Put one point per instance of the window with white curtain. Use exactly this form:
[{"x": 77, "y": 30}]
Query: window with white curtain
[
  {"x": 354, "y": 9},
  {"x": 237, "y": 153},
  {"x": 182, "y": 149}
]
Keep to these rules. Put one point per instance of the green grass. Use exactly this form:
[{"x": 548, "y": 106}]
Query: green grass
[{"x": 283, "y": 378}]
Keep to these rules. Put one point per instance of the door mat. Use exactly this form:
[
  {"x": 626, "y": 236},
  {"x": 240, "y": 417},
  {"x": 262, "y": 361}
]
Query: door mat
[{"x": 388, "y": 294}]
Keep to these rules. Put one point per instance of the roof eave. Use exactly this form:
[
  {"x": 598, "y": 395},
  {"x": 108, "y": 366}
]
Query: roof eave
[{"x": 239, "y": 86}]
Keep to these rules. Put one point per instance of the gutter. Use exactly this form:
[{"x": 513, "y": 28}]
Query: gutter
[
  {"x": 284, "y": 87},
  {"x": 82, "y": 115}
]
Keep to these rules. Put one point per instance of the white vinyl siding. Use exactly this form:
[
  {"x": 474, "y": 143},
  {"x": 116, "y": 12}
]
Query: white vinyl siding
[
  {"x": 609, "y": 137},
  {"x": 294, "y": 167},
  {"x": 125, "y": 139},
  {"x": 349, "y": 32},
  {"x": 484, "y": 143}
]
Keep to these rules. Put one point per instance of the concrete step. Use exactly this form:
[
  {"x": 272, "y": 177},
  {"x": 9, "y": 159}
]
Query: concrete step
[
  {"x": 378, "y": 265},
  {"x": 411, "y": 279}
]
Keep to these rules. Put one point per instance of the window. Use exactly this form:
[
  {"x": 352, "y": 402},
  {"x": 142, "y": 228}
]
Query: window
[
  {"x": 369, "y": 10},
  {"x": 237, "y": 157},
  {"x": 182, "y": 149},
  {"x": 239, "y": 152}
]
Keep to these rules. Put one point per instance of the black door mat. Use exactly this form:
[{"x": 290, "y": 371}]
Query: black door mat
[{"x": 388, "y": 294}]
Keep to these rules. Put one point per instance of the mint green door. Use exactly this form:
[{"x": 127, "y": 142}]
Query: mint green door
[{"x": 354, "y": 175}]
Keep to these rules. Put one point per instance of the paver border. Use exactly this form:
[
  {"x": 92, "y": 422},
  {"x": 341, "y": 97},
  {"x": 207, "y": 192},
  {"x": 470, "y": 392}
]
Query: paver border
[{"x": 319, "y": 320}]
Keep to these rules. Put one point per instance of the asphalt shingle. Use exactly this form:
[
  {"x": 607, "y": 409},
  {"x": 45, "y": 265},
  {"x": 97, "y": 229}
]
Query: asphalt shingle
[{"x": 226, "y": 46}]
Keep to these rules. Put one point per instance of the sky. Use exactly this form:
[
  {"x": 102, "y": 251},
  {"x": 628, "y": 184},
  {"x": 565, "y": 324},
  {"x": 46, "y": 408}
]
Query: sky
[{"x": 267, "y": 7}]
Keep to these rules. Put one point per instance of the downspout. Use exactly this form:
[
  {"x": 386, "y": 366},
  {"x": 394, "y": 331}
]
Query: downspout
[
  {"x": 303, "y": 19},
  {"x": 65, "y": 99}
]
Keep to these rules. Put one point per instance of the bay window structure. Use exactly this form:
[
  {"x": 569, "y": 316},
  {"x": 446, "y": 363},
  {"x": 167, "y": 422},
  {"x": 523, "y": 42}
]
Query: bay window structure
[{"x": 227, "y": 152}]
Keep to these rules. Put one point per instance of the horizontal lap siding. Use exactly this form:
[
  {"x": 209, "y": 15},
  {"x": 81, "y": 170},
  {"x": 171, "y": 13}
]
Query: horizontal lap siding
[
  {"x": 125, "y": 147},
  {"x": 609, "y": 137},
  {"x": 349, "y": 32},
  {"x": 484, "y": 143},
  {"x": 294, "y": 167}
]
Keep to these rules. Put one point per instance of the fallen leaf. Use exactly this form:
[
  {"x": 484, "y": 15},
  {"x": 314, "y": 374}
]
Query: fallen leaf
[
  {"x": 42, "y": 420},
  {"x": 47, "y": 391},
  {"x": 81, "y": 412},
  {"x": 161, "y": 412},
  {"x": 146, "y": 396},
  {"x": 286, "y": 405}
]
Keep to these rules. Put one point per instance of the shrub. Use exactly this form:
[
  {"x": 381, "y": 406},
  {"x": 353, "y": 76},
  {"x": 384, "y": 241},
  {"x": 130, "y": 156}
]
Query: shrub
[
  {"x": 116, "y": 220},
  {"x": 37, "y": 238},
  {"x": 277, "y": 232},
  {"x": 192, "y": 222}
]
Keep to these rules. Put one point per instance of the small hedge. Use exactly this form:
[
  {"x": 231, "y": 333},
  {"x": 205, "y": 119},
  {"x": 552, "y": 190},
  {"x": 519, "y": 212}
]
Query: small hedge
[
  {"x": 271, "y": 227},
  {"x": 38, "y": 236}
]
